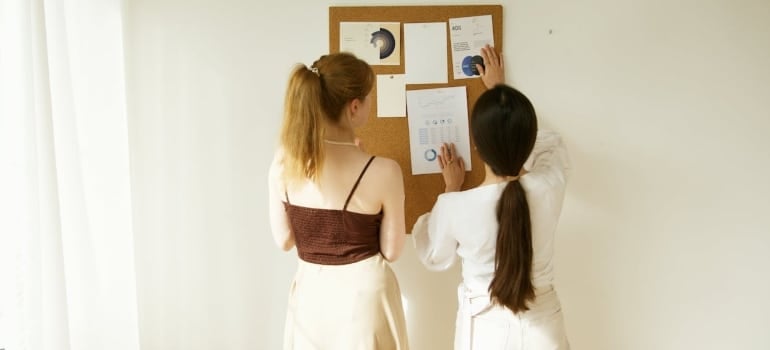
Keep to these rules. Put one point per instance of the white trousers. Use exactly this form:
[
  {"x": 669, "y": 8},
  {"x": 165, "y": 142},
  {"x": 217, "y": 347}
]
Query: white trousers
[{"x": 481, "y": 325}]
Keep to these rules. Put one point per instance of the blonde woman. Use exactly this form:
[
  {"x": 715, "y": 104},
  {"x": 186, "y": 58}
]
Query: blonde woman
[{"x": 342, "y": 209}]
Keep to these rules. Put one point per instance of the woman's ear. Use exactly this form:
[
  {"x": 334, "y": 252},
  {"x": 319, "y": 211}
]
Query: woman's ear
[
  {"x": 355, "y": 104},
  {"x": 354, "y": 107}
]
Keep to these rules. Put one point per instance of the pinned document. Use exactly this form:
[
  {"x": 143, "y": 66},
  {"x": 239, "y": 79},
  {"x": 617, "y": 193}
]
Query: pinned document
[
  {"x": 436, "y": 116},
  {"x": 425, "y": 53}
]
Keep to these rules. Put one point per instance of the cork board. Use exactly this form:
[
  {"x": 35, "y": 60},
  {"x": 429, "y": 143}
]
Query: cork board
[{"x": 389, "y": 137}]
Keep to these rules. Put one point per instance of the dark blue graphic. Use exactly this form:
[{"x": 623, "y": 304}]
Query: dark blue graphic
[
  {"x": 469, "y": 65},
  {"x": 388, "y": 42}
]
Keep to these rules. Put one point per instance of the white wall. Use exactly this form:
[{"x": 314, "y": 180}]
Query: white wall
[{"x": 664, "y": 237}]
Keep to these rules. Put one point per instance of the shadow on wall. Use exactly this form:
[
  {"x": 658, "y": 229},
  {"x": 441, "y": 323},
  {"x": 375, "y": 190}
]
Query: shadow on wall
[{"x": 430, "y": 300}]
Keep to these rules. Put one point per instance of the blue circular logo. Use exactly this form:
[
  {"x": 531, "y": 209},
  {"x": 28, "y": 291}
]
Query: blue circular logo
[
  {"x": 469, "y": 65},
  {"x": 467, "y": 68}
]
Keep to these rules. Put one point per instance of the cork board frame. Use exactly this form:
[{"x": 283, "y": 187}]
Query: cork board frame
[{"x": 389, "y": 137}]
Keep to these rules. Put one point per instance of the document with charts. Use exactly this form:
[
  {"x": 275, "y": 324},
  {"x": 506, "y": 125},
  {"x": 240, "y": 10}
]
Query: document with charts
[
  {"x": 436, "y": 116},
  {"x": 468, "y": 35}
]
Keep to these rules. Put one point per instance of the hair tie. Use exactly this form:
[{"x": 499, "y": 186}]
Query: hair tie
[{"x": 315, "y": 70}]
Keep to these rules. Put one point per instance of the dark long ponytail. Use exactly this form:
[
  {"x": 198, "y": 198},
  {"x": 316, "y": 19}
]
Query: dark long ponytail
[
  {"x": 504, "y": 128},
  {"x": 512, "y": 283}
]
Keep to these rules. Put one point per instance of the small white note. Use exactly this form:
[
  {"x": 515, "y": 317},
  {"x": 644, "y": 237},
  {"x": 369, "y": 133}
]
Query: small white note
[{"x": 391, "y": 95}]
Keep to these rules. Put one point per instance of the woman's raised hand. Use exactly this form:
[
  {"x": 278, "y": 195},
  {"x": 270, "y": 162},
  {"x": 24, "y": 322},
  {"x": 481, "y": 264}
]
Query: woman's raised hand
[{"x": 492, "y": 72}]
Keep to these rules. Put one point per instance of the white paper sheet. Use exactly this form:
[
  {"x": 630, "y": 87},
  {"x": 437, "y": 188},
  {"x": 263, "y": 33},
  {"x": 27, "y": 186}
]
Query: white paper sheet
[
  {"x": 425, "y": 53},
  {"x": 391, "y": 95},
  {"x": 437, "y": 116},
  {"x": 374, "y": 42},
  {"x": 468, "y": 35}
]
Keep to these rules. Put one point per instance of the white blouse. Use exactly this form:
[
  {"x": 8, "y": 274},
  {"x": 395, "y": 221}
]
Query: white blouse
[{"x": 464, "y": 223}]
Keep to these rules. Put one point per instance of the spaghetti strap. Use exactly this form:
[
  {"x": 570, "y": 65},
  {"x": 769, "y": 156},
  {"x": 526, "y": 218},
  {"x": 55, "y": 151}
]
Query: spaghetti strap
[
  {"x": 356, "y": 185},
  {"x": 286, "y": 194}
]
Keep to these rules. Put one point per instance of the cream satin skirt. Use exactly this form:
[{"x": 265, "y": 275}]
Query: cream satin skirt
[
  {"x": 483, "y": 326},
  {"x": 345, "y": 307}
]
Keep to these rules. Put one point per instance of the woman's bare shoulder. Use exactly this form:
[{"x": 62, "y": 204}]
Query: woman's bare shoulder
[{"x": 386, "y": 167}]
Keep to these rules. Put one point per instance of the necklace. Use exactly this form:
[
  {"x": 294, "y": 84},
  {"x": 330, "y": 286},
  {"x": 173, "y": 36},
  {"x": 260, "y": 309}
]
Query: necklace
[{"x": 340, "y": 143}]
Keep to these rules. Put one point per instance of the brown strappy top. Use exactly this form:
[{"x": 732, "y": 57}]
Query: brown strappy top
[{"x": 333, "y": 236}]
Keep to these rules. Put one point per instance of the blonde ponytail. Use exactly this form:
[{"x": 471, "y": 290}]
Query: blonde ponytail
[
  {"x": 316, "y": 96},
  {"x": 303, "y": 126}
]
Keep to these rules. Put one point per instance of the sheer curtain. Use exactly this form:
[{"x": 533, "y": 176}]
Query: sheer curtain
[{"x": 67, "y": 278}]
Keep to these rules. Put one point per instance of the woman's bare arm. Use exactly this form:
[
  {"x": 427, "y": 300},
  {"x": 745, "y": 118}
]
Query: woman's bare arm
[
  {"x": 279, "y": 221},
  {"x": 393, "y": 230}
]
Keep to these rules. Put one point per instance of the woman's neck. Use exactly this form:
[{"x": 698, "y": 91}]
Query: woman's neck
[
  {"x": 491, "y": 178},
  {"x": 335, "y": 133}
]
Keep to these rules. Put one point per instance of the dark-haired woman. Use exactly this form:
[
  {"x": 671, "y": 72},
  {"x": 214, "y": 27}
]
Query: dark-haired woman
[
  {"x": 503, "y": 230},
  {"x": 343, "y": 209}
]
